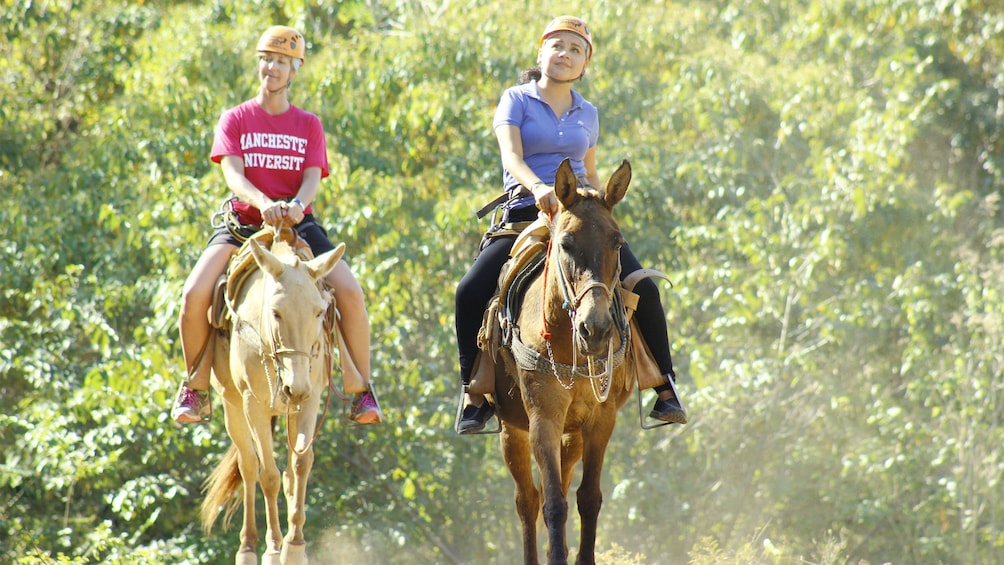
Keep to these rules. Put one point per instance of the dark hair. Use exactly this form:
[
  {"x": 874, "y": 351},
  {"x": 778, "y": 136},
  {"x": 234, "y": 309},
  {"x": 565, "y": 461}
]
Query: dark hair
[{"x": 529, "y": 75}]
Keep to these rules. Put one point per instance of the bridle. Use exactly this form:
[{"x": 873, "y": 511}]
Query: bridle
[
  {"x": 572, "y": 299},
  {"x": 272, "y": 350}
]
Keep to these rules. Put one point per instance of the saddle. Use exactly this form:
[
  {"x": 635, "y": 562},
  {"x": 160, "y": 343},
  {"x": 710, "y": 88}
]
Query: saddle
[
  {"x": 525, "y": 261},
  {"x": 242, "y": 265}
]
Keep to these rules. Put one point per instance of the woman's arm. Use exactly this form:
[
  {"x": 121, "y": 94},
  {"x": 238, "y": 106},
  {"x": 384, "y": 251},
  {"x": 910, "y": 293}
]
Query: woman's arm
[
  {"x": 511, "y": 151},
  {"x": 590, "y": 162},
  {"x": 233, "y": 173},
  {"x": 309, "y": 187}
]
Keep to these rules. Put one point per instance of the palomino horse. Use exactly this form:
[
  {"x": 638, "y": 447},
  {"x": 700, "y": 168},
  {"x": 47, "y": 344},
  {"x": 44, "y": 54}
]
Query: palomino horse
[
  {"x": 272, "y": 366},
  {"x": 549, "y": 404}
]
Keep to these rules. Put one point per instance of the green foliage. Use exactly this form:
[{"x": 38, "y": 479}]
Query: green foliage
[{"x": 822, "y": 183}]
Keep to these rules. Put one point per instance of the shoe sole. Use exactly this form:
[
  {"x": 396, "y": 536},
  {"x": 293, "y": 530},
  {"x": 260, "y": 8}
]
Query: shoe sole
[
  {"x": 188, "y": 417},
  {"x": 190, "y": 420},
  {"x": 368, "y": 418},
  {"x": 471, "y": 427},
  {"x": 468, "y": 431},
  {"x": 671, "y": 418}
]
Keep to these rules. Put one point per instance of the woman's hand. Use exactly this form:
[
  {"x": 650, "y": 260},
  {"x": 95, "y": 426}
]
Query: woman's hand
[
  {"x": 295, "y": 211},
  {"x": 543, "y": 193},
  {"x": 276, "y": 213}
]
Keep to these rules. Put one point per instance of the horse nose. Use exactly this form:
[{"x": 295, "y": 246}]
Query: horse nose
[
  {"x": 595, "y": 331},
  {"x": 296, "y": 392},
  {"x": 598, "y": 329}
]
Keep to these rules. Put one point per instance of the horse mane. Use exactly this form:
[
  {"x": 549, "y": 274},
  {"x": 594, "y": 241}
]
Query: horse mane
[
  {"x": 588, "y": 196},
  {"x": 283, "y": 250}
]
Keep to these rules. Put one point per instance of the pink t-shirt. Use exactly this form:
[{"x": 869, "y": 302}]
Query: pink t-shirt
[{"x": 276, "y": 150}]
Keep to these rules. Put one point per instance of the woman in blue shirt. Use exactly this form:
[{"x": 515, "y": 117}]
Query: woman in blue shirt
[{"x": 539, "y": 123}]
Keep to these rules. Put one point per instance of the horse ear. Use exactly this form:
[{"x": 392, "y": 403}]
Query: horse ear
[
  {"x": 266, "y": 261},
  {"x": 323, "y": 263},
  {"x": 618, "y": 183},
  {"x": 566, "y": 186}
]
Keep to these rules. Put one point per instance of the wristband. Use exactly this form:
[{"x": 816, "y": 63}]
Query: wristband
[{"x": 303, "y": 206}]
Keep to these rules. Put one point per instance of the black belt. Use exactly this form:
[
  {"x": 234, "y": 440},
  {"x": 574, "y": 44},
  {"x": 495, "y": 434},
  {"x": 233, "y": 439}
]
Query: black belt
[{"x": 517, "y": 192}]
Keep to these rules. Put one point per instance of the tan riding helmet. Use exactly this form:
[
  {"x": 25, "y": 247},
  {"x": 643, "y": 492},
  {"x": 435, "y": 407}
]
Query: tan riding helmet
[
  {"x": 571, "y": 24},
  {"x": 284, "y": 41}
]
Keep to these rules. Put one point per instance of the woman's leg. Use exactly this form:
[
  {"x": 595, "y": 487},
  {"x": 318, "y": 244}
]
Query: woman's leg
[
  {"x": 352, "y": 309},
  {"x": 474, "y": 292},
  {"x": 354, "y": 319},
  {"x": 196, "y": 299},
  {"x": 651, "y": 319},
  {"x": 355, "y": 322}
]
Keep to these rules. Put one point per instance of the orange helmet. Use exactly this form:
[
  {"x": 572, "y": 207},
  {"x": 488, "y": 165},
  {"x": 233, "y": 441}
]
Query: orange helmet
[
  {"x": 571, "y": 24},
  {"x": 284, "y": 41}
]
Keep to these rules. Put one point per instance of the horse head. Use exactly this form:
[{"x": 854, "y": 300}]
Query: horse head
[
  {"x": 586, "y": 260},
  {"x": 292, "y": 315}
]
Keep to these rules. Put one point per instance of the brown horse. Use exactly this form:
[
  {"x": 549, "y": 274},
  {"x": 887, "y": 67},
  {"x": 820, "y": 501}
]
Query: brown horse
[
  {"x": 273, "y": 366},
  {"x": 561, "y": 388}
]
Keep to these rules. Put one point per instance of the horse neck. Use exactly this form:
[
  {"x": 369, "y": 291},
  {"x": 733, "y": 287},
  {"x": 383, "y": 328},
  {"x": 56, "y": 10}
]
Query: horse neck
[
  {"x": 250, "y": 301},
  {"x": 543, "y": 300},
  {"x": 554, "y": 300}
]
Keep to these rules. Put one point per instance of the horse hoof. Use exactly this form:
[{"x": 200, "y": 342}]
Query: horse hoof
[
  {"x": 294, "y": 554},
  {"x": 271, "y": 558},
  {"x": 246, "y": 558}
]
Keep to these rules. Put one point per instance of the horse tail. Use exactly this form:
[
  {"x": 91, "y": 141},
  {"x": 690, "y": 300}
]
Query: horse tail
[{"x": 222, "y": 488}]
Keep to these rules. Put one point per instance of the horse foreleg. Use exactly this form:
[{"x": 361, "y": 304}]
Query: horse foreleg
[
  {"x": 247, "y": 552},
  {"x": 545, "y": 438},
  {"x": 589, "y": 496},
  {"x": 301, "y": 460},
  {"x": 516, "y": 452},
  {"x": 571, "y": 453},
  {"x": 247, "y": 465},
  {"x": 269, "y": 478}
]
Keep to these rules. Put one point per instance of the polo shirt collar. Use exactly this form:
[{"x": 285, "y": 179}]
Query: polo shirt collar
[{"x": 534, "y": 92}]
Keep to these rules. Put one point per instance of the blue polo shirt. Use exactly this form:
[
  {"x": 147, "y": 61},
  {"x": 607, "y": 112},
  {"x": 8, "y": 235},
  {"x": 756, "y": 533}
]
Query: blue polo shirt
[{"x": 547, "y": 139}]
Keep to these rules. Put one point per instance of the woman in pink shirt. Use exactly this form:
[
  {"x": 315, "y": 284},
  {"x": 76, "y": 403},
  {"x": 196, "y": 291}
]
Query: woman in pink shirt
[{"x": 273, "y": 157}]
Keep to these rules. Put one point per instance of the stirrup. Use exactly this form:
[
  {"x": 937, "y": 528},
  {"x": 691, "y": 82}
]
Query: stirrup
[
  {"x": 352, "y": 423},
  {"x": 641, "y": 410},
  {"x": 460, "y": 415}
]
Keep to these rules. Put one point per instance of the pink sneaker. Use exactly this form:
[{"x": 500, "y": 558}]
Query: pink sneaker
[
  {"x": 365, "y": 409},
  {"x": 192, "y": 406}
]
